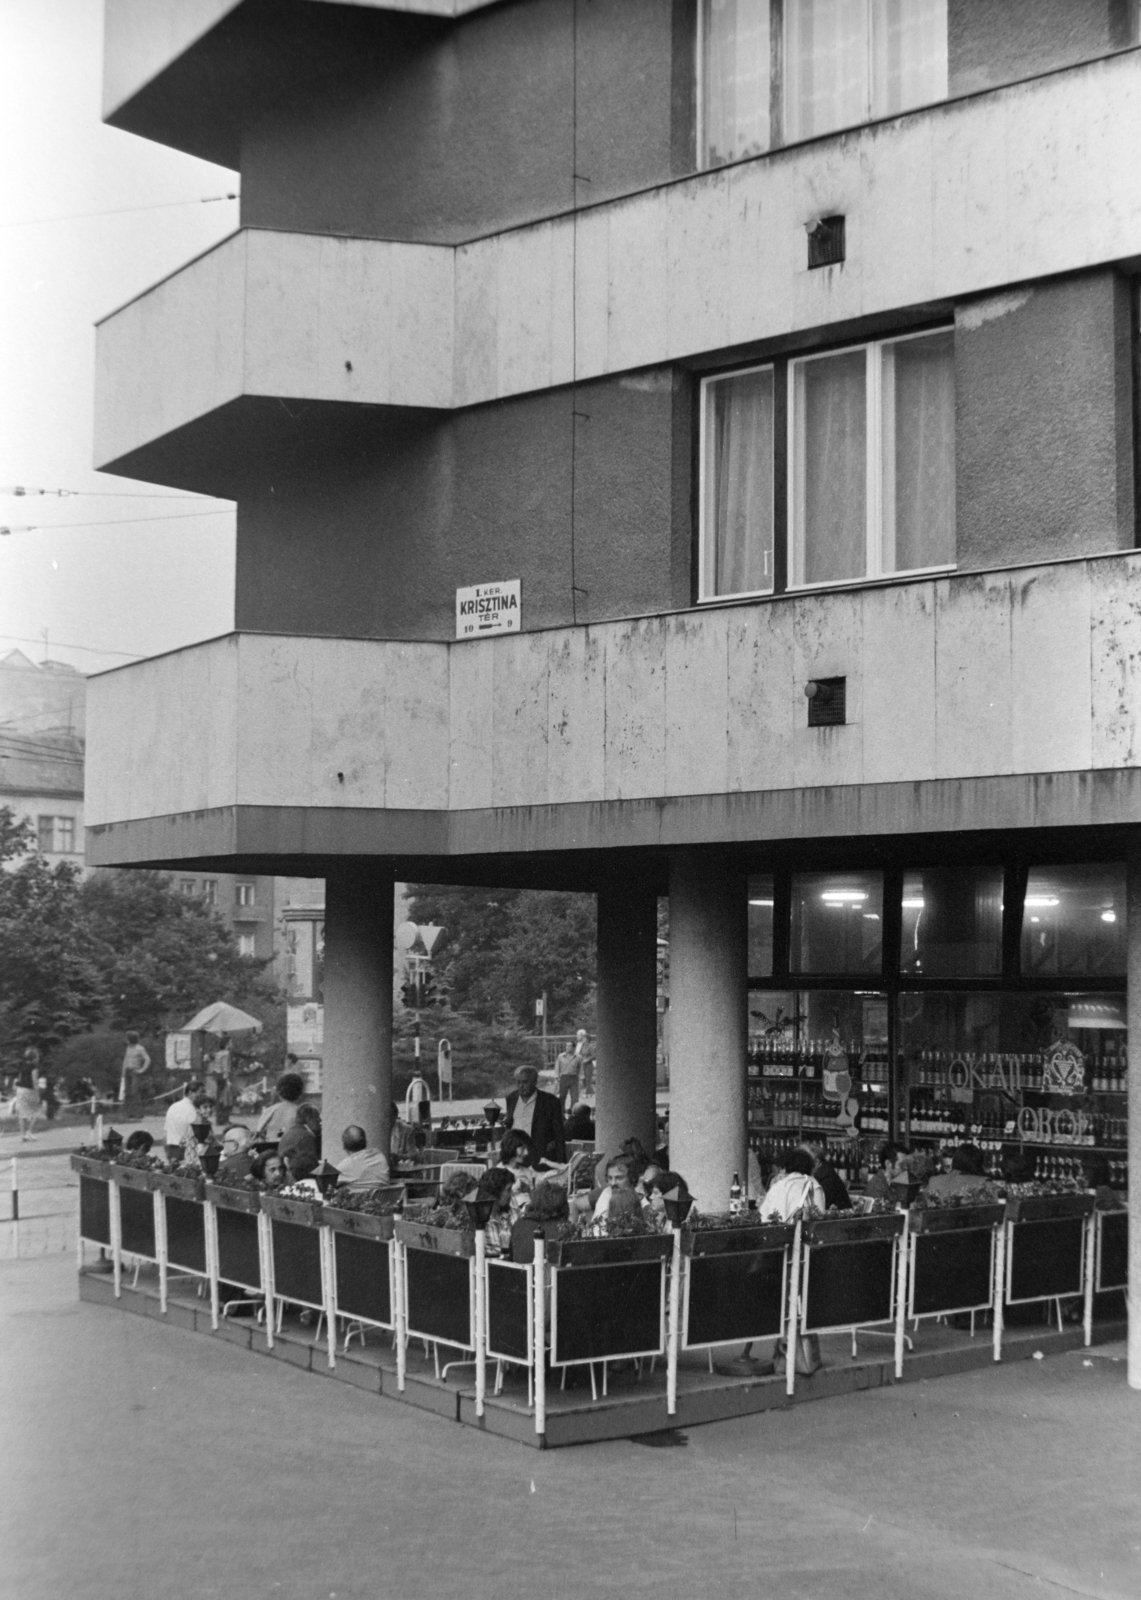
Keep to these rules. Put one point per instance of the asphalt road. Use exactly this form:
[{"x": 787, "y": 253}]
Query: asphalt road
[{"x": 144, "y": 1461}]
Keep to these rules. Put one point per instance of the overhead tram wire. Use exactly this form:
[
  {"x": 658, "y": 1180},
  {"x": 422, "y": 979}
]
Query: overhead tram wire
[
  {"x": 88, "y": 649},
  {"x": 114, "y": 522},
  {"x": 117, "y": 211},
  {"x": 20, "y": 490}
]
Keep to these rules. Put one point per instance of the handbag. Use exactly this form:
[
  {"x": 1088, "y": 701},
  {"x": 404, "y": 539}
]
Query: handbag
[{"x": 808, "y": 1357}]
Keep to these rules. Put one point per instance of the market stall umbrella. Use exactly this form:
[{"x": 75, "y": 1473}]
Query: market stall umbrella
[{"x": 222, "y": 1017}]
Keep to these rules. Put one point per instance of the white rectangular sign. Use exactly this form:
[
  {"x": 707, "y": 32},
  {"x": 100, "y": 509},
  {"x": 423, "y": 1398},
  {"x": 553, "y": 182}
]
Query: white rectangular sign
[{"x": 488, "y": 608}]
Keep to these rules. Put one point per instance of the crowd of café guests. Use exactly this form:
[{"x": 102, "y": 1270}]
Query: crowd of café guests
[{"x": 532, "y": 1183}]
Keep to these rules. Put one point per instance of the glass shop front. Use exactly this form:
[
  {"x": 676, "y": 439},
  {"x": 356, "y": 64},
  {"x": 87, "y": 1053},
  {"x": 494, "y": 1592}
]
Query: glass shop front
[{"x": 930, "y": 1007}]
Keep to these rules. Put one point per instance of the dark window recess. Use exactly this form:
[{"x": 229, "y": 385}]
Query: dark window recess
[
  {"x": 825, "y": 241},
  {"x": 827, "y": 701}
]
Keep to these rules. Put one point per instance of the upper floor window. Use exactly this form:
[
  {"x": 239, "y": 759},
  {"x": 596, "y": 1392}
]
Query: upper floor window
[
  {"x": 247, "y": 944},
  {"x": 867, "y": 465},
  {"x": 774, "y": 71},
  {"x": 873, "y": 460},
  {"x": 187, "y": 886},
  {"x": 247, "y": 894},
  {"x": 210, "y": 891},
  {"x": 55, "y": 835}
]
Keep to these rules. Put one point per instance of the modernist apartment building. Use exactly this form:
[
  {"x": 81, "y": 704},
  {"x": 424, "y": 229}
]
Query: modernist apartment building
[{"x": 784, "y": 353}]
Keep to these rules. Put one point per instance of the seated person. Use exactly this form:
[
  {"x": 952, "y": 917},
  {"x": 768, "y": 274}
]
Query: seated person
[
  {"x": 363, "y": 1165},
  {"x": 269, "y": 1168},
  {"x": 635, "y": 1152},
  {"x": 835, "y": 1190},
  {"x": 580, "y": 1124},
  {"x": 140, "y": 1141},
  {"x": 793, "y": 1187},
  {"x": 237, "y": 1156},
  {"x": 1096, "y": 1170},
  {"x": 1018, "y": 1166},
  {"x": 497, "y": 1185},
  {"x": 402, "y": 1145},
  {"x": 300, "y": 1146},
  {"x": 515, "y": 1154},
  {"x": 888, "y": 1174},
  {"x": 279, "y": 1117},
  {"x": 667, "y": 1183},
  {"x": 619, "y": 1184},
  {"x": 547, "y": 1205},
  {"x": 965, "y": 1177}
]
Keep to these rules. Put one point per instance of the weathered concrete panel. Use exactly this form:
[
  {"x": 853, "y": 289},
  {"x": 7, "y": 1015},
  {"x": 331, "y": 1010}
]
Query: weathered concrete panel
[
  {"x": 1115, "y": 637},
  {"x": 972, "y": 676},
  {"x": 576, "y": 708},
  {"x": 827, "y": 639},
  {"x": 635, "y": 758},
  {"x": 520, "y": 719},
  {"x": 697, "y": 703},
  {"x": 898, "y": 651},
  {"x": 350, "y": 725},
  {"x": 275, "y": 718},
  {"x": 416, "y": 711},
  {"x": 1050, "y": 720},
  {"x": 471, "y": 699},
  {"x": 762, "y": 697}
]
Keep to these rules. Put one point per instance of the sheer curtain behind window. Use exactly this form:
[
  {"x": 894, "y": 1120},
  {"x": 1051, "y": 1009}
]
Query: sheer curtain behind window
[
  {"x": 826, "y": 66},
  {"x": 735, "y": 57},
  {"x": 909, "y": 54},
  {"x": 830, "y": 456},
  {"x": 737, "y": 555},
  {"x": 919, "y": 453}
]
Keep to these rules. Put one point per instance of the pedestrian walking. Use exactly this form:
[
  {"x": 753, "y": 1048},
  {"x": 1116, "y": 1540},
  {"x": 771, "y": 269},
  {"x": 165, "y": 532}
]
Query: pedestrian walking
[
  {"x": 568, "y": 1068},
  {"x": 28, "y": 1105}
]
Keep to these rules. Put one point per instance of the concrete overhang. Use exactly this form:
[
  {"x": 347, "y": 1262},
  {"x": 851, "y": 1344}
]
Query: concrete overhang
[
  {"x": 189, "y": 73},
  {"x": 960, "y": 200},
  {"x": 993, "y": 701}
]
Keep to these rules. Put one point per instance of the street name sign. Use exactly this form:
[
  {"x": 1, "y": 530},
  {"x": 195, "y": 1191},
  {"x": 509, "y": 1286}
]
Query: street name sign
[{"x": 488, "y": 608}]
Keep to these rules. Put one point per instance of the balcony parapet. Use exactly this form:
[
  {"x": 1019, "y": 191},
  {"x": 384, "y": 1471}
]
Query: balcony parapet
[
  {"x": 961, "y": 199},
  {"x": 997, "y": 676}
]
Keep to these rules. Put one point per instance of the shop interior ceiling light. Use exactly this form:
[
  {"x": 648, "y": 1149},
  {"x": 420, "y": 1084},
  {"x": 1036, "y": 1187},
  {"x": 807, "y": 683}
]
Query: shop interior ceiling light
[
  {"x": 1037, "y": 900},
  {"x": 843, "y": 897}
]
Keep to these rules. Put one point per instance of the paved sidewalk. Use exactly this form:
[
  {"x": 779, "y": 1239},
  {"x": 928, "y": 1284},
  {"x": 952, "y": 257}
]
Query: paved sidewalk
[{"x": 144, "y": 1461}]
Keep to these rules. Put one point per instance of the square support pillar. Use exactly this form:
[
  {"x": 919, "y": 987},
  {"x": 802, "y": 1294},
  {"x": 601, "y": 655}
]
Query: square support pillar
[
  {"x": 357, "y": 1085},
  {"x": 626, "y": 1069},
  {"x": 1133, "y": 1081},
  {"x": 708, "y": 1024}
]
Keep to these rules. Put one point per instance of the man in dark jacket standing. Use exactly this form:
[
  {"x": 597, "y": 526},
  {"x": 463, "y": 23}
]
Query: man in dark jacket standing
[{"x": 539, "y": 1116}]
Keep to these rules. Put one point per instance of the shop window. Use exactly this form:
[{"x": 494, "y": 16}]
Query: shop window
[
  {"x": 736, "y": 554},
  {"x": 837, "y": 923},
  {"x": 760, "y": 927},
  {"x": 773, "y": 71},
  {"x": 873, "y": 460},
  {"x": 952, "y": 923},
  {"x": 1073, "y": 922}
]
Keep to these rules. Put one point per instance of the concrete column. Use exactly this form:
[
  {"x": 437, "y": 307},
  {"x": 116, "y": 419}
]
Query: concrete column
[
  {"x": 626, "y": 1070},
  {"x": 1133, "y": 1017},
  {"x": 708, "y": 1024},
  {"x": 358, "y": 1004}
]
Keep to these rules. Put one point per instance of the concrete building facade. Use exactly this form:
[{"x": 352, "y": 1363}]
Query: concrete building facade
[{"x": 785, "y": 352}]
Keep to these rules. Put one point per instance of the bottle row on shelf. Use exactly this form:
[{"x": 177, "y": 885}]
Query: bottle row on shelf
[
  {"x": 932, "y": 1069},
  {"x": 779, "y": 1057},
  {"x": 842, "y": 1154}
]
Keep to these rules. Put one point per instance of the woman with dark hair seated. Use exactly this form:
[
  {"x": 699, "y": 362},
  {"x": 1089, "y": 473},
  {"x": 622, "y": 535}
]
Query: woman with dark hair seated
[
  {"x": 269, "y": 1168},
  {"x": 140, "y": 1141},
  {"x": 300, "y": 1146},
  {"x": 497, "y": 1185},
  {"x": 547, "y": 1205},
  {"x": 515, "y": 1157},
  {"x": 793, "y": 1187},
  {"x": 667, "y": 1183}
]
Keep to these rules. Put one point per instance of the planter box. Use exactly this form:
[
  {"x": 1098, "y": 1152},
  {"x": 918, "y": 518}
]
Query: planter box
[
  {"x": 133, "y": 1177},
  {"x": 177, "y": 1187},
  {"x": 737, "y": 1241},
  {"x": 247, "y": 1200},
  {"x": 92, "y": 1167},
  {"x": 302, "y": 1213},
  {"x": 608, "y": 1252},
  {"x": 853, "y": 1230},
  {"x": 363, "y": 1223},
  {"x": 949, "y": 1219},
  {"x": 445, "y": 1241},
  {"x": 1048, "y": 1207}
]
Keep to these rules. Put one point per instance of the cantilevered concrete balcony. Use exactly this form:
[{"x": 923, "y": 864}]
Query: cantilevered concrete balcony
[
  {"x": 966, "y": 198},
  {"x": 1001, "y": 700}
]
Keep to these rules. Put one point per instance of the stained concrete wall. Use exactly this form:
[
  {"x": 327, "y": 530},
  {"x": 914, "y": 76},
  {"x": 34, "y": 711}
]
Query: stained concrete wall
[
  {"x": 1044, "y": 418},
  {"x": 990, "y": 42},
  {"x": 375, "y": 541},
  {"x": 1032, "y": 671},
  {"x": 445, "y": 134}
]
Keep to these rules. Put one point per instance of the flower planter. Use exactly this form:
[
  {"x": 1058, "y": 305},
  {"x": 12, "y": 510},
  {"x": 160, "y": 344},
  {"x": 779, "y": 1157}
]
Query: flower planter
[
  {"x": 133, "y": 1177},
  {"x": 1047, "y": 1207},
  {"x": 950, "y": 1219},
  {"x": 178, "y": 1187},
  {"x": 302, "y": 1213},
  {"x": 92, "y": 1167},
  {"x": 853, "y": 1230},
  {"x": 424, "y": 1236},
  {"x": 737, "y": 1241},
  {"x": 365, "y": 1224},
  {"x": 247, "y": 1200},
  {"x": 608, "y": 1252}
]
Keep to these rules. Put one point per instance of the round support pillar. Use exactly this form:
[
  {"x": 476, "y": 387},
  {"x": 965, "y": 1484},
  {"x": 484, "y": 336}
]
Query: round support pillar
[
  {"x": 1133, "y": 1017},
  {"x": 357, "y": 1083},
  {"x": 626, "y": 1066},
  {"x": 708, "y": 1025}
]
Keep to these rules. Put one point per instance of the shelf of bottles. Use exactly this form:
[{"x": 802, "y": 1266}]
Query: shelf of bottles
[{"x": 786, "y": 1097}]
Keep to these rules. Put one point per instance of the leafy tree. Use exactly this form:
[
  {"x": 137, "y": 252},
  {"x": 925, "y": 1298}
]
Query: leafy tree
[{"x": 51, "y": 985}]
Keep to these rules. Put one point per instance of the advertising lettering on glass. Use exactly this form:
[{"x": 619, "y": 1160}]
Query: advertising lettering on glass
[
  {"x": 1063, "y": 1069},
  {"x": 488, "y": 608}
]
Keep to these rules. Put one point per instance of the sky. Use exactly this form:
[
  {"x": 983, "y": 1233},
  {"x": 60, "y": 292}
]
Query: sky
[{"x": 161, "y": 574}]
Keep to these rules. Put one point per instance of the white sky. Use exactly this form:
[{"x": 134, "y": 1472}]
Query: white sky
[{"x": 151, "y": 585}]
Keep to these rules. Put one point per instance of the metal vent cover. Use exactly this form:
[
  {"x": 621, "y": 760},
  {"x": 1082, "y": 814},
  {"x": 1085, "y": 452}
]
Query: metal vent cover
[
  {"x": 827, "y": 702},
  {"x": 826, "y": 243}
]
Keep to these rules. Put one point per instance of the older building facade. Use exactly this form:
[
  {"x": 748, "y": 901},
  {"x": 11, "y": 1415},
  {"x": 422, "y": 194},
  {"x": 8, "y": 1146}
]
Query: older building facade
[{"x": 784, "y": 352}]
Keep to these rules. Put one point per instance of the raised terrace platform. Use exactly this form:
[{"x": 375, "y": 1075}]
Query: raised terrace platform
[{"x": 633, "y": 1406}]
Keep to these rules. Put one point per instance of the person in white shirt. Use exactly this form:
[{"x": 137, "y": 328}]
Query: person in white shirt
[
  {"x": 179, "y": 1118},
  {"x": 793, "y": 1187},
  {"x": 364, "y": 1166}
]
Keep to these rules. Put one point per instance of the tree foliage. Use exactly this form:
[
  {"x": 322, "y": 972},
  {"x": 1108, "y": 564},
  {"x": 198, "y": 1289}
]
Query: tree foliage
[{"x": 502, "y": 948}]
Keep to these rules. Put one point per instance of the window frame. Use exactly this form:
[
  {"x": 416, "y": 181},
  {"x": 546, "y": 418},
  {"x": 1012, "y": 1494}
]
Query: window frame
[
  {"x": 874, "y": 468},
  {"x": 704, "y": 483},
  {"x": 246, "y": 892}
]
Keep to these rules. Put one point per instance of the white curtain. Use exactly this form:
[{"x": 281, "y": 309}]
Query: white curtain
[
  {"x": 738, "y": 535},
  {"x": 735, "y": 67},
  {"x": 919, "y": 453},
  {"x": 830, "y": 456},
  {"x": 909, "y": 54},
  {"x": 848, "y": 60}
]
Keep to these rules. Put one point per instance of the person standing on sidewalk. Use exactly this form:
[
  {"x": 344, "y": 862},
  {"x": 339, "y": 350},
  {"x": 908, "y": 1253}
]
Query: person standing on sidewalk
[
  {"x": 585, "y": 1053},
  {"x": 28, "y": 1105},
  {"x": 567, "y": 1067},
  {"x": 135, "y": 1061}
]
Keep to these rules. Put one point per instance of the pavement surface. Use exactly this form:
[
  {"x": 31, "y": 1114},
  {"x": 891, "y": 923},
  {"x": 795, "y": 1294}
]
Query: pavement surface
[{"x": 142, "y": 1460}]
